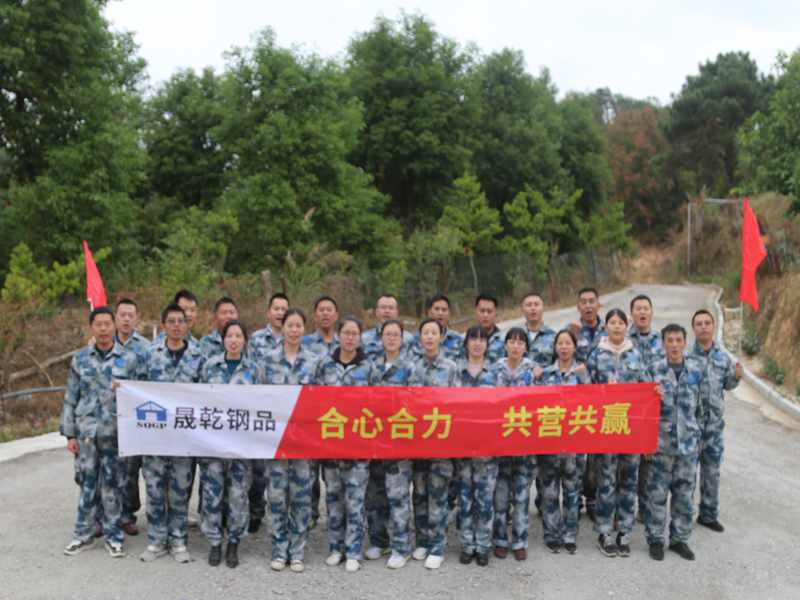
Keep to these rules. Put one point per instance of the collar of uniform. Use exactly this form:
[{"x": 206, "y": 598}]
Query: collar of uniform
[
  {"x": 599, "y": 327},
  {"x": 115, "y": 350},
  {"x": 698, "y": 349},
  {"x": 543, "y": 329}
]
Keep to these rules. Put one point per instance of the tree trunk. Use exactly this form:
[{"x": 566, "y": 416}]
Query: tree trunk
[{"x": 474, "y": 273}]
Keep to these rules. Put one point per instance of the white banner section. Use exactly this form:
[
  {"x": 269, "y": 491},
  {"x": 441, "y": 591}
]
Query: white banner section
[{"x": 200, "y": 419}]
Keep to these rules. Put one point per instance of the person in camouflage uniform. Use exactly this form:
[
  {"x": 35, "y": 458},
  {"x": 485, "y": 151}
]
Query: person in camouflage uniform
[
  {"x": 559, "y": 473},
  {"x": 89, "y": 422},
  {"x": 260, "y": 344},
  {"x": 218, "y": 476},
  {"x": 225, "y": 310},
  {"x": 477, "y": 477},
  {"x": 721, "y": 375},
  {"x": 674, "y": 467},
  {"x": 345, "y": 480},
  {"x": 516, "y": 473},
  {"x": 168, "y": 479},
  {"x": 486, "y": 315},
  {"x": 616, "y": 360},
  {"x": 290, "y": 481},
  {"x": 386, "y": 309},
  {"x": 452, "y": 345},
  {"x": 431, "y": 477},
  {"x": 388, "y": 496}
]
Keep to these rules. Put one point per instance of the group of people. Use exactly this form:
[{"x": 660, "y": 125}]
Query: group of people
[{"x": 401, "y": 508}]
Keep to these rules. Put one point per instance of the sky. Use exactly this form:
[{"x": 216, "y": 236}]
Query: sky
[{"x": 643, "y": 48}]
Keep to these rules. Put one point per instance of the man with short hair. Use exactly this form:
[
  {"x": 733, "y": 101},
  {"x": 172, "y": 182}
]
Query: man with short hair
[
  {"x": 589, "y": 329},
  {"x": 540, "y": 336},
  {"x": 674, "y": 466},
  {"x": 721, "y": 375},
  {"x": 89, "y": 422},
  {"x": 452, "y": 345},
  {"x": 188, "y": 302},
  {"x": 225, "y": 310},
  {"x": 386, "y": 308},
  {"x": 324, "y": 340},
  {"x": 486, "y": 315}
]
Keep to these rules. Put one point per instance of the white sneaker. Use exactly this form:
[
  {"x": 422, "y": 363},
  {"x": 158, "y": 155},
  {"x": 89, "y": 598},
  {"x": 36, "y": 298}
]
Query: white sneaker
[
  {"x": 115, "y": 549},
  {"x": 374, "y": 553},
  {"x": 419, "y": 553},
  {"x": 396, "y": 561},
  {"x": 277, "y": 564},
  {"x": 297, "y": 565},
  {"x": 352, "y": 565},
  {"x": 77, "y": 546},
  {"x": 335, "y": 558},
  {"x": 433, "y": 561},
  {"x": 180, "y": 554},
  {"x": 152, "y": 552}
]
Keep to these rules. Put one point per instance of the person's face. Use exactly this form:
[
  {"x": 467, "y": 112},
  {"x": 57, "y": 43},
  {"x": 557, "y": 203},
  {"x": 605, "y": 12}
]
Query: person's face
[
  {"x": 515, "y": 348},
  {"x": 440, "y": 310},
  {"x": 565, "y": 348},
  {"x": 293, "y": 329},
  {"x": 703, "y": 327},
  {"x": 226, "y": 312},
  {"x": 392, "y": 338},
  {"x": 587, "y": 307},
  {"x": 616, "y": 329},
  {"x": 325, "y": 315},
  {"x": 126, "y": 319},
  {"x": 476, "y": 347},
  {"x": 486, "y": 312},
  {"x": 349, "y": 336},
  {"x": 234, "y": 340},
  {"x": 533, "y": 309},
  {"x": 642, "y": 314},
  {"x": 276, "y": 311},
  {"x": 190, "y": 310},
  {"x": 103, "y": 330},
  {"x": 386, "y": 309},
  {"x": 175, "y": 326},
  {"x": 674, "y": 345},
  {"x": 430, "y": 337}
]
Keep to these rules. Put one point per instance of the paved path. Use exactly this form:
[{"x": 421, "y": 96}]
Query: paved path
[{"x": 757, "y": 557}]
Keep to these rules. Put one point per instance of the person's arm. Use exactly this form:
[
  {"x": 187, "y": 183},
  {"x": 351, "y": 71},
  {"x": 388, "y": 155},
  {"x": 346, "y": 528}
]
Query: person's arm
[{"x": 72, "y": 396}]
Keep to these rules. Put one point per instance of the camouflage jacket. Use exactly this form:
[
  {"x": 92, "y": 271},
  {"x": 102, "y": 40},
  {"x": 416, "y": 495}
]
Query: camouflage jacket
[
  {"x": 720, "y": 375},
  {"x": 679, "y": 427}
]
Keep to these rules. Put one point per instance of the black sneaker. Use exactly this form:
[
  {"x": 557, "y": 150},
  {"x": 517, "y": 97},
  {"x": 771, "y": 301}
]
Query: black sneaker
[
  {"x": 607, "y": 547},
  {"x": 682, "y": 550},
  {"x": 77, "y": 546},
  {"x": 712, "y": 525},
  {"x": 554, "y": 547},
  {"x": 657, "y": 551},
  {"x": 622, "y": 545},
  {"x": 482, "y": 560},
  {"x": 232, "y": 555},
  {"x": 571, "y": 547},
  {"x": 254, "y": 526},
  {"x": 466, "y": 557},
  {"x": 215, "y": 556}
]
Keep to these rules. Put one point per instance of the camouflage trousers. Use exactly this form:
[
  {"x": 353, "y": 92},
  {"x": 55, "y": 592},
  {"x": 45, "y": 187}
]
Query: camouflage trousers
[
  {"x": 671, "y": 476},
  {"x": 289, "y": 491},
  {"x": 345, "y": 495},
  {"x": 258, "y": 488},
  {"x": 98, "y": 474},
  {"x": 431, "y": 486},
  {"x": 512, "y": 497},
  {"x": 617, "y": 475},
  {"x": 216, "y": 477},
  {"x": 711, "y": 449},
  {"x": 588, "y": 465},
  {"x": 168, "y": 480},
  {"x": 477, "y": 478},
  {"x": 561, "y": 497},
  {"x": 389, "y": 505},
  {"x": 644, "y": 473}
]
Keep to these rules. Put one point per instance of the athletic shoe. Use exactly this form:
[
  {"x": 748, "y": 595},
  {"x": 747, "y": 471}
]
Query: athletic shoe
[
  {"x": 352, "y": 565},
  {"x": 712, "y": 525},
  {"x": 571, "y": 547},
  {"x": 419, "y": 553},
  {"x": 466, "y": 557},
  {"x": 396, "y": 561},
  {"x": 433, "y": 561},
  {"x": 623, "y": 548},
  {"x": 115, "y": 549},
  {"x": 554, "y": 547},
  {"x": 297, "y": 565},
  {"x": 334, "y": 558},
  {"x": 482, "y": 560},
  {"x": 152, "y": 552},
  {"x": 215, "y": 555},
  {"x": 78, "y": 546},
  {"x": 607, "y": 547},
  {"x": 682, "y": 550},
  {"x": 375, "y": 552},
  {"x": 180, "y": 554},
  {"x": 277, "y": 564},
  {"x": 232, "y": 555},
  {"x": 657, "y": 551}
]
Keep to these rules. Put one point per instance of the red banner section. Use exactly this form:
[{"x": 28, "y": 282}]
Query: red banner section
[{"x": 396, "y": 422}]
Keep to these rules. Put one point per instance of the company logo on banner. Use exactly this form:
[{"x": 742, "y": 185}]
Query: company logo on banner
[{"x": 264, "y": 421}]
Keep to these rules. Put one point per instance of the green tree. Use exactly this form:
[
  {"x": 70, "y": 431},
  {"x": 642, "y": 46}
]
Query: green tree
[
  {"x": 705, "y": 115},
  {"x": 605, "y": 229},
  {"x": 431, "y": 254},
  {"x": 411, "y": 83},
  {"x": 467, "y": 212}
]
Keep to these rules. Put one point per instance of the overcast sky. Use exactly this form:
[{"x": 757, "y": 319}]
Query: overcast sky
[{"x": 639, "y": 48}]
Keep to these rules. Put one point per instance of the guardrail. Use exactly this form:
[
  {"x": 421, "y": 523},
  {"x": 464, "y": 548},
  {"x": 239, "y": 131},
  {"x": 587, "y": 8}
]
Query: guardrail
[{"x": 31, "y": 392}]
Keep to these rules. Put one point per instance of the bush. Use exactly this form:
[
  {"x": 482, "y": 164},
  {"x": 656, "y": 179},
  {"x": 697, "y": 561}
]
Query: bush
[
  {"x": 773, "y": 371},
  {"x": 751, "y": 340}
]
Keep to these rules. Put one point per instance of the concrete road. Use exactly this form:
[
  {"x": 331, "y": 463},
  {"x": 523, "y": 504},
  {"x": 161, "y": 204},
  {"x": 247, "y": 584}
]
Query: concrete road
[{"x": 758, "y": 556}]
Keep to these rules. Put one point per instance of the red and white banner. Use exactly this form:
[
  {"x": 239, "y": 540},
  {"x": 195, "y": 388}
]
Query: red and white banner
[{"x": 266, "y": 421}]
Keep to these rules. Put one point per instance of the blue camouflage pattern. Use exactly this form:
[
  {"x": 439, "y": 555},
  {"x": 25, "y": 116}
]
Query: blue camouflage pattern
[{"x": 540, "y": 346}]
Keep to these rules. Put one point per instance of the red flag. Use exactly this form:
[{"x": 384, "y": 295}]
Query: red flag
[
  {"x": 95, "y": 291},
  {"x": 753, "y": 252}
]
